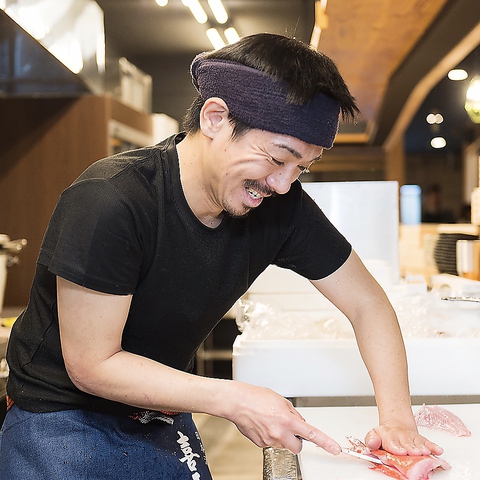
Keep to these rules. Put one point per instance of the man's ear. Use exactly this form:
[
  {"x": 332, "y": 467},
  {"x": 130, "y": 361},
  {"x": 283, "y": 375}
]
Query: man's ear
[{"x": 213, "y": 116}]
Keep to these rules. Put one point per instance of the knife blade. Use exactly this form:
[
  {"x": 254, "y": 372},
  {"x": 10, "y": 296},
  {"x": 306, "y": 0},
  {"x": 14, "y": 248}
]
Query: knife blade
[
  {"x": 361, "y": 456},
  {"x": 462, "y": 299}
]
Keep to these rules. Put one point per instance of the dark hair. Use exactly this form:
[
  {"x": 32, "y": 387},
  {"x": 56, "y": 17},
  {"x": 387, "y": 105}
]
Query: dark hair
[{"x": 305, "y": 71}]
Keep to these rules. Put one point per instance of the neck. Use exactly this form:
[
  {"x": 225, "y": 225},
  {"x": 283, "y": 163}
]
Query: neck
[{"x": 194, "y": 181}]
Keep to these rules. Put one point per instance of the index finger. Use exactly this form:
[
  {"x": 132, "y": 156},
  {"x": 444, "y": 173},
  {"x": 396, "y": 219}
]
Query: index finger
[{"x": 316, "y": 436}]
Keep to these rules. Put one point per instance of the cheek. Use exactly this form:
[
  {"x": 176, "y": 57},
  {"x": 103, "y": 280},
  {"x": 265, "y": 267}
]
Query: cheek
[{"x": 244, "y": 169}]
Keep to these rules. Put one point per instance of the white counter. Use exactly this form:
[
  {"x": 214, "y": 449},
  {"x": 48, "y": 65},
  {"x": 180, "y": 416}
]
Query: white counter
[{"x": 338, "y": 422}]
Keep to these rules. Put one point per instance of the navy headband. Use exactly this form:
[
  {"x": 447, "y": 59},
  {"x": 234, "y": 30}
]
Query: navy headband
[{"x": 260, "y": 101}]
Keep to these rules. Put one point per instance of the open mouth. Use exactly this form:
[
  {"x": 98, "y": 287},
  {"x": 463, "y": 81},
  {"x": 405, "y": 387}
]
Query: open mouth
[
  {"x": 256, "y": 190},
  {"x": 254, "y": 194}
]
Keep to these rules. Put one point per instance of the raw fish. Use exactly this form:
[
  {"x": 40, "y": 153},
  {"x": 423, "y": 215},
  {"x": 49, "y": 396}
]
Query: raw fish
[
  {"x": 411, "y": 467},
  {"x": 440, "y": 418},
  {"x": 401, "y": 467}
]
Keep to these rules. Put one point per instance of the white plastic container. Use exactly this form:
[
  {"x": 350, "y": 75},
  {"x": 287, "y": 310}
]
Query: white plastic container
[
  {"x": 366, "y": 213},
  {"x": 334, "y": 368}
]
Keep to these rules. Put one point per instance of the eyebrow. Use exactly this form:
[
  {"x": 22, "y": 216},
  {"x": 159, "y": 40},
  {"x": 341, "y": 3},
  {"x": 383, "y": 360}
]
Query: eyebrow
[{"x": 295, "y": 153}]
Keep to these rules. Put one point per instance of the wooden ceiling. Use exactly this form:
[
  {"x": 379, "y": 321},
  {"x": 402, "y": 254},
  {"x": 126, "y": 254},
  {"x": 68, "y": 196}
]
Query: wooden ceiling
[{"x": 370, "y": 39}]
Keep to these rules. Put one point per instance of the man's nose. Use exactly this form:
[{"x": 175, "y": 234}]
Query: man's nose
[{"x": 281, "y": 181}]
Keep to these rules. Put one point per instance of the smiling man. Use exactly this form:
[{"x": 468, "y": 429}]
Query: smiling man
[{"x": 147, "y": 250}]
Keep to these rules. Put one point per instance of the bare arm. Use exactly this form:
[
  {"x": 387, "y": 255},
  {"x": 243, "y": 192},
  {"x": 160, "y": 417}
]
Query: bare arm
[
  {"x": 357, "y": 294},
  {"x": 91, "y": 326}
]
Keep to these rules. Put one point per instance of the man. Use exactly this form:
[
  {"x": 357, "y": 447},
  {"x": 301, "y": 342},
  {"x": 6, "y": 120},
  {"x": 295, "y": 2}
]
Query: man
[
  {"x": 148, "y": 249},
  {"x": 432, "y": 208}
]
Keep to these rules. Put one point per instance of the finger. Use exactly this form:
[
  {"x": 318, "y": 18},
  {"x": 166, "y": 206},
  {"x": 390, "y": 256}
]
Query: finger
[
  {"x": 409, "y": 443},
  {"x": 294, "y": 444},
  {"x": 422, "y": 446},
  {"x": 320, "y": 439},
  {"x": 434, "y": 448},
  {"x": 373, "y": 440}
]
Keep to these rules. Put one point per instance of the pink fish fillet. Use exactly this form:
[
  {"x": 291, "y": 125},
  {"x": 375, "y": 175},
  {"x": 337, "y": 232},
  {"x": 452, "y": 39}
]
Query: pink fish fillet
[
  {"x": 401, "y": 467},
  {"x": 408, "y": 467},
  {"x": 440, "y": 418}
]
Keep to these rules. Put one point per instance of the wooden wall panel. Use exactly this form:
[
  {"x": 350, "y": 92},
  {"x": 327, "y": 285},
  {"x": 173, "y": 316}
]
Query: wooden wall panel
[{"x": 45, "y": 145}]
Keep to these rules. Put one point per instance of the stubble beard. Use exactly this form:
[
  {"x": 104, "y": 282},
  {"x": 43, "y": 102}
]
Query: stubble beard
[{"x": 235, "y": 213}]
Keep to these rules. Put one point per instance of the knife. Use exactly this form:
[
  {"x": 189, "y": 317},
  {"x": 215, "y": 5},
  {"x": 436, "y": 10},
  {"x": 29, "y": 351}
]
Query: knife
[
  {"x": 462, "y": 299},
  {"x": 362, "y": 456}
]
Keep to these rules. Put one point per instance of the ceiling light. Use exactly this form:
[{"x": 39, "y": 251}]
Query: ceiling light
[
  {"x": 29, "y": 20},
  {"x": 162, "y": 3},
  {"x": 321, "y": 22},
  {"x": 231, "y": 35},
  {"x": 438, "y": 142},
  {"x": 215, "y": 38},
  {"x": 197, "y": 11},
  {"x": 472, "y": 100},
  {"x": 457, "y": 74},
  {"x": 218, "y": 10},
  {"x": 434, "y": 118}
]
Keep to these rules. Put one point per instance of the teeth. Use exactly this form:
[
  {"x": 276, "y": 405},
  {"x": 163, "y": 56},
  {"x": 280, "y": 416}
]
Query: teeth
[{"x": 253, "y": 193}]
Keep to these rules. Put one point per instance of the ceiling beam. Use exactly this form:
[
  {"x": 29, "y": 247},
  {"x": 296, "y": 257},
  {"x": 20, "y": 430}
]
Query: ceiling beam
[{"x": 454, "y": 30}]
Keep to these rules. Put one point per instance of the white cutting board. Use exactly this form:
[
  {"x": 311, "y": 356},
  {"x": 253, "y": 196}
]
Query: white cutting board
[{"x": 462, "y": 453}]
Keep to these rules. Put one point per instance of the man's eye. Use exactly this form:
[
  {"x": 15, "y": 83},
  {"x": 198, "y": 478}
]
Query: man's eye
[{"x": 276, "y": 162}]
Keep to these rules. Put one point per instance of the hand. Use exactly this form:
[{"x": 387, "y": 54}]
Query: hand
[
  {"x": 268, "y": 419},
  {"x": 397, "y": 438}
]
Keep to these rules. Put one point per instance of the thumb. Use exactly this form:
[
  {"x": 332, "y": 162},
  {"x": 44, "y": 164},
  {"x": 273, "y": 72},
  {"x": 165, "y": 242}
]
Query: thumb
[{"x": 373, "y": 440}]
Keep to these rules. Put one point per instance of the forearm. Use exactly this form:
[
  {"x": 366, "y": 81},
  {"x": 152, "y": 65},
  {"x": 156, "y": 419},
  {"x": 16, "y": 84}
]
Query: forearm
[
  {"x": 262, "y": 415},
  {"x": 381, "y": 346},
  {"x": 138, "y": 381},
  {"x": 356, "y": 293}
]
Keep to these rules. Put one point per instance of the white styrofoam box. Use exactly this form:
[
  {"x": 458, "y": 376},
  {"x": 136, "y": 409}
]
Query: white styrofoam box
[
  {"x": 459, "y": 286},
  {"x": 334, "y": 368},
  {"x": 135, "y": 86},
  {"x": 280, "y": 280},
  {"x": 163, "y": 126},
  {"x": 366, "y": 213},
  {"x": 285, "y": 290},
  {"x": 292, "y": 301}
]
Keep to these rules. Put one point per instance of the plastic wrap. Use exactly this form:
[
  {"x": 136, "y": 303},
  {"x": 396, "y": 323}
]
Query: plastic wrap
[
  {"x": 258, "y": 321},
  {"x": 423, "y": 315}
]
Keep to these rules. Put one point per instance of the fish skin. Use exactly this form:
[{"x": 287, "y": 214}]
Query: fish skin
[
  {"x": 439, "y": 418},
  {"x": 401, "y": 467},
  {"x": 411, "y": 467},
  {"x": 389, "y": 471}
]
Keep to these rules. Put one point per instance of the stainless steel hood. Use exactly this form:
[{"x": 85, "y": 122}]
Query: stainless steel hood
[{"x": 28, "y": 68}]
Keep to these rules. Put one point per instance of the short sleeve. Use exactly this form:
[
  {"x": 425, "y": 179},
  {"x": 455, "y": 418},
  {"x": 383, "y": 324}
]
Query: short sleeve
[
  {"x": 315, "y": 248},
  {"x": 94, "y": 238}
]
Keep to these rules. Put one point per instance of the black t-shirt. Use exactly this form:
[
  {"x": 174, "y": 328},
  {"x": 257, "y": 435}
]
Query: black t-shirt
[{"x": 124, "y": 227}]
